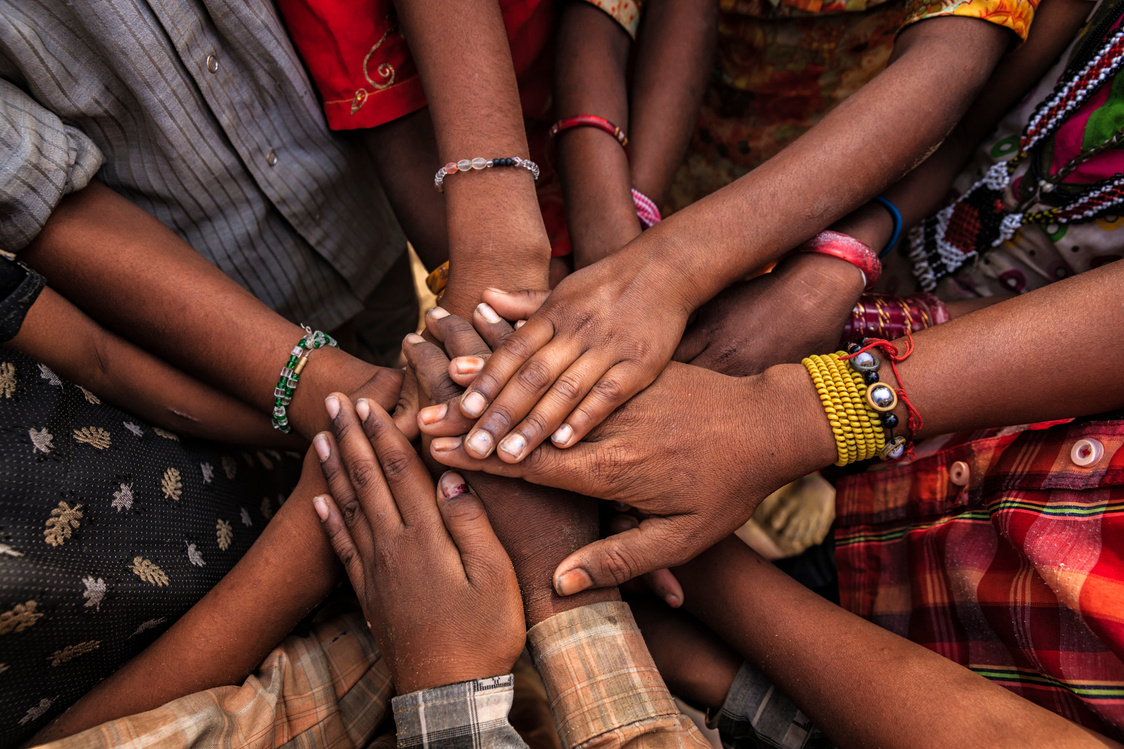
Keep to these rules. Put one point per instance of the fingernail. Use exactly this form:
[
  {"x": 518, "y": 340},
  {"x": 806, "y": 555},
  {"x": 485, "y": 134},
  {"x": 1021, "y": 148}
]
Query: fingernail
[
  {"x": 445, "y": 444},
  {"x": 562, "y": 435},
  {"x": 519, "y": 324},
  {"x": 430, "y": 414},
  {"x": 620, "y": 505},
  {"x": 574, "y": 581},
  {"x": 514, "y": 445},
  {"x": 323, "y": 447},
  {"x": 438, "y": 312},
  {"x": 452, "y": 485},
  {"x": 498, "y": 291},
  {"x": 320, "y": 504},
  {"x": 414, "y": 338},
  {"x": 672, "y": 601},
  {"x": 332, "y": 403},
  {"x": 480, "y": 443},
  {"x": 488, "y": 313},
  {"x": 473, "y": 404},
  {"x": 363, "y": 408},
  {"x": 468, "y": 364}
]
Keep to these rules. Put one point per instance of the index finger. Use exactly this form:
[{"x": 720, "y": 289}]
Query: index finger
[{"x": 401, "y": 468}]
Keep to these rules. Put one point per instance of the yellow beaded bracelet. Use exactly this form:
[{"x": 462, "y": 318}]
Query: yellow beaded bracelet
[{"x": 855, "y": 426}]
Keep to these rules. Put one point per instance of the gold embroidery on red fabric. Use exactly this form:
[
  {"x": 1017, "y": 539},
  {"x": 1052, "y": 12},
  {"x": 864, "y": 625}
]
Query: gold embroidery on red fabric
[{"x": 385, "y": 70}]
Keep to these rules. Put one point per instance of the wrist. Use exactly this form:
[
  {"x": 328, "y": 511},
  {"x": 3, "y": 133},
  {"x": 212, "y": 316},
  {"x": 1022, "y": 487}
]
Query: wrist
[
  {"x": 784, "y": 400},
  {"x": 329, "y": 370},
  {"x": 827, "y": 277}
]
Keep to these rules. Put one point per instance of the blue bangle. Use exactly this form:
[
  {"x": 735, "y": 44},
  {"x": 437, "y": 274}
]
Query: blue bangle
[{"x": 897, "y": 216}]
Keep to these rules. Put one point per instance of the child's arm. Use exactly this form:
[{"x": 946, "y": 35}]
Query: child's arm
[
  {"x": 591, "y": 77},
  {"x": 135, "y": 277},
  {"x": 860, "y": 684},
  {"x": 60, "y": 335},
  {"x": 924, "y": 190},
  {"x": 674, "y": 55}
]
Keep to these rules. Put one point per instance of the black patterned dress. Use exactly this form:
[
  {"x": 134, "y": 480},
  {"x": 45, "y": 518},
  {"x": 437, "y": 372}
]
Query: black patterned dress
[{"x": 110, "y": 528}]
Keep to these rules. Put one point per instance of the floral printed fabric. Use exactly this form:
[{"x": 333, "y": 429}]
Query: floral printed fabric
[
  {"x": 624, "y": 12},
  {"x": 783, "y": 66},
  {"x": 110, "y": 529}
]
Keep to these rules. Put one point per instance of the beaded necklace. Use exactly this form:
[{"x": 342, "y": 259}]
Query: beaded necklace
[{"x": 979, "y": 220}]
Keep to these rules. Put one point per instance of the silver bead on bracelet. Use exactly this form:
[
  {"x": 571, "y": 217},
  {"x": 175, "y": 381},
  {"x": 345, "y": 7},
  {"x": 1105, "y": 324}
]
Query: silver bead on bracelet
[{"x": 466, "y": 165}]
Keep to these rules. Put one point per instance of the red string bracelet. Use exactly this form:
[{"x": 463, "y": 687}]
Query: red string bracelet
[
  {"x": 589, "y": 120},
  {"x": 891, "y": 351}
]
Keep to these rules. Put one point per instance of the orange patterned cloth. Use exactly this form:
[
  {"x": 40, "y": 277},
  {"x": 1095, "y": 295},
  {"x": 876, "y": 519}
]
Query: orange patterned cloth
[{"x": 783, "y": 66}]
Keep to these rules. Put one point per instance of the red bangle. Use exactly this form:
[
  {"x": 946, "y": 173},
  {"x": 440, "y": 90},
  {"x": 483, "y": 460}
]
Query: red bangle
[
  {"x": 589, "y": 120},
  {"x": 846, "y": 248}
]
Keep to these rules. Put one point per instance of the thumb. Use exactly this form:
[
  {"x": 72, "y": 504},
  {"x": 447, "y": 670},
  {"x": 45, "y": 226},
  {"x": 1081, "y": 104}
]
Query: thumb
[
  {"x": 467, "y": 522},
  {"x": 515, "y": 305},
  {"x": 406, "y": 412},
  {"x": 657, "y": 543},
  {"x": 694, "y": 342}
]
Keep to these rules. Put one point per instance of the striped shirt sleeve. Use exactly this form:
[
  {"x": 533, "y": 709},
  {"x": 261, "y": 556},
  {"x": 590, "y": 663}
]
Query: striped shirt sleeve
[{"x": 41, "y": 160}]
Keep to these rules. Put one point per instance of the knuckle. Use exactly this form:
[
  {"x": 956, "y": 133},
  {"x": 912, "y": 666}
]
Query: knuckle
[
  {"x": 518, "y": 347},
  {"x": 534, "y": 376},
  {"x": 609, "y": 389},
  {"x": 362, "y": 473},
  {"x": 569, "y": 387},
  {"x": 396, "y": 465},
  {"x": 534, "y": 424},
  {"x": 486, "y": 383},
  {"x": 618, "y": 565},
  {"x": 351, "y": 511},
  {"x": 499, "y": 419}
]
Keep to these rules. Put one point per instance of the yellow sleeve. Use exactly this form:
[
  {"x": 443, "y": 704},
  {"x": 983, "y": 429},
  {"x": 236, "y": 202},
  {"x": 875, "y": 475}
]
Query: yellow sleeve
[{"x": 1015, "y": 15}]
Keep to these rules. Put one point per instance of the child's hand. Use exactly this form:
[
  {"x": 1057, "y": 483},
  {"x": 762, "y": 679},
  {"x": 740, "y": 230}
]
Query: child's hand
[
  {"x": 798, "y": 309},
  {"x": 598, "y": 339},
  {"x": 436, "y": 586}
]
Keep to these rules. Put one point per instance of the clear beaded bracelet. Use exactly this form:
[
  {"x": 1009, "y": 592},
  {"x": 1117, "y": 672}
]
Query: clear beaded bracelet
[
  {"x": 291, "y": 374},
  {"x": 467, "y": 165}
]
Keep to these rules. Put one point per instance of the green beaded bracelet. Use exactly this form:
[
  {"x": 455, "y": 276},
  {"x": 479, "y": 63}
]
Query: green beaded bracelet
[{"x": 291, "y": 374}]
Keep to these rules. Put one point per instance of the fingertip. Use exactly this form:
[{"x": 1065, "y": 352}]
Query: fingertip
[
  {"x": 451, "y": 485},
  {"x": 432, "y": 414},
  {"x": 473, "y": 404},
  {"x": 562, "y": 436},
  {"x": 363, "y": 409},
  {"x": 437, "y": 313},
  {"x": 413, "y": 338},
  {"x": 332, "y": 404},
  {"x": 320, "y": 504},
  {"x": 445, "y": 444},
  {"x": 572, "y": 581},
  {"x": 322, "y": 446},
  {"x": 485, "y": 311}
]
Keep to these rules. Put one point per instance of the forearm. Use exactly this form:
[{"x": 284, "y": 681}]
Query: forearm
[
  {"x": 224, "y": 636},
  {"x": 590, "y": 78},
  {"x": 859, "y": 683},
  {"x": 536, "y": 550},
  {"x": 128, "y": 271},
  {"x": 673, "y": 61},
  {"x": 925, "y": 189},
  {"x": 496, "y": 234},
  {"x": 853, "y": 153},
  {"x": 61, "y": 336}
]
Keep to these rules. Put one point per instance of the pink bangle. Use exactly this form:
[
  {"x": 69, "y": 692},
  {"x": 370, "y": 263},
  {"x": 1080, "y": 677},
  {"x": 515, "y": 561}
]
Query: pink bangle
[
  {"x": 646, "y": 209},
  {"x": 847, "y": 248},
  {"x": 589, "y": 120}
]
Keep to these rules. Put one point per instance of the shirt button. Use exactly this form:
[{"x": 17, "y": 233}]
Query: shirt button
[
  {"x": 212, "y": 63},
  {"x": 271, "y": 157},
  {"x": 1086, "y": 452},
  {"x": 958, "y": 473}
]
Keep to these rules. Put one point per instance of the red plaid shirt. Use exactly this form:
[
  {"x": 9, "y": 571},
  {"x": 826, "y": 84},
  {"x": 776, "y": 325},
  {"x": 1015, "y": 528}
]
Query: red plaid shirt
[{"x": 999, "y": 551}]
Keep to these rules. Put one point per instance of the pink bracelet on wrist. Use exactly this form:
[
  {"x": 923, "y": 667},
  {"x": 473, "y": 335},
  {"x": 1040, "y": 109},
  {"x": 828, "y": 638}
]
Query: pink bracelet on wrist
[
  {"x": 589, "y": 120},
  {"x": 847, "y": 248}
]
